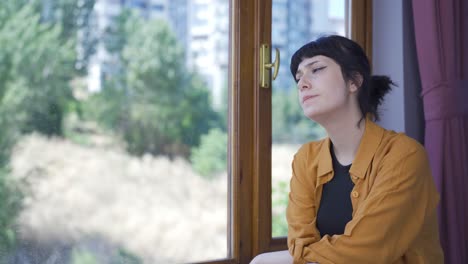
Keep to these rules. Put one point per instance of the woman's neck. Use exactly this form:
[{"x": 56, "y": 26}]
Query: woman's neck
[{"x": 346, "y": 136}]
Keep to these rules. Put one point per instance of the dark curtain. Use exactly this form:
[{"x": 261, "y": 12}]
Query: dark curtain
[{"x": 441, "y": 28}]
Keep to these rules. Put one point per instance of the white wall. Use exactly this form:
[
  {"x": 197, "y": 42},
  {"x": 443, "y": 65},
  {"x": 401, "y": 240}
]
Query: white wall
[{"x": 394, "y": 54}]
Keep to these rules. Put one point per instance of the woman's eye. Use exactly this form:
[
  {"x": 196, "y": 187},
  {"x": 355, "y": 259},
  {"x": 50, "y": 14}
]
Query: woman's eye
[{"x": 318, "y": 69}]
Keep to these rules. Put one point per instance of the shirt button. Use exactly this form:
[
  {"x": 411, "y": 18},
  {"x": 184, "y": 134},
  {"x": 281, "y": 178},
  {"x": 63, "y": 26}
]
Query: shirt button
[{"x": 355, "y": 194}]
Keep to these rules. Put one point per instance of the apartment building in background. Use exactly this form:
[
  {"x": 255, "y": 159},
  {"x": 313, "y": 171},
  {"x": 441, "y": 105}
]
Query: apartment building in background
[{"x": 202, "y": 28}]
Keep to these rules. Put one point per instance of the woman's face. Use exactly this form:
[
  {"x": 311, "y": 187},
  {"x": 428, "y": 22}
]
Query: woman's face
[{"x": 321, "y": 88}]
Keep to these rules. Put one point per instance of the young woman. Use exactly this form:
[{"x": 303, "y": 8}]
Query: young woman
[{"x": 363, "y": 194}]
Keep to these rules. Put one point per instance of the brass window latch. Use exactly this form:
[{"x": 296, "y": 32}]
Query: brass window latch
[{"x": 266, "y": 65}]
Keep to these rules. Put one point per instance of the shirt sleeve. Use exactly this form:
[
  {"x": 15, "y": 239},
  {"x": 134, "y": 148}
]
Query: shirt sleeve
[
  {"x": 387, "y": 221},
  {"x": 301, "y": 211}
]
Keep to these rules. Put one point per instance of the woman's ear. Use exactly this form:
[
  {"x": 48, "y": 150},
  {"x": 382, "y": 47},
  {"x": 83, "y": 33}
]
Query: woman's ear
[{"x": 355, "y": 82}]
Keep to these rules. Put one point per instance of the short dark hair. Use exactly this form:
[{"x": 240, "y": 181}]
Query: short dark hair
[{"x": 353, "y": 61}]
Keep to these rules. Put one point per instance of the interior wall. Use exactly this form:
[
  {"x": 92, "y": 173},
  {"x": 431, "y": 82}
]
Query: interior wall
[{"x": 394, "y": 54}]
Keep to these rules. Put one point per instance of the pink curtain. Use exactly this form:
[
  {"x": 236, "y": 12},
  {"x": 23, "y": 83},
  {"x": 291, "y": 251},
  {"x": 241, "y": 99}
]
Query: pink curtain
[{"x": 441, "y": 30}]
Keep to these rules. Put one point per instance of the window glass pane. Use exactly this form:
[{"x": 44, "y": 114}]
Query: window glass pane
[
  {"x": 294, "y": 23},
  {"x": 113, "y": 147}
]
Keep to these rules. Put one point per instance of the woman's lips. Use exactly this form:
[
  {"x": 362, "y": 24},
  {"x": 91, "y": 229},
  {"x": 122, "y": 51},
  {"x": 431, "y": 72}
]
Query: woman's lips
[{"x": 307, "y": 97}]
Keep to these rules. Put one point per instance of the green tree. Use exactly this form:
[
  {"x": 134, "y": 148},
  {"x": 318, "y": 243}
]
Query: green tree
[
  {"x": 9, "y": 209},
  {"x": 163, "y": 107},
  {"x": 77, "y": 20},
  {"x": 223, "y": 110},
  {"x": 75, "y": 17},
  {"x": 10, "y": 7},
  {"x": 37, "y": 61},
  {"x": 115, "y": 35},
  {"x": 211, "y": 156},
  {"x": 35, "y": 72},
  {"x": 10, "y": 196}
]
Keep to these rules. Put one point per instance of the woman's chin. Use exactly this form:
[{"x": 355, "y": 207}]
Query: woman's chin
[
  {"x": 313, "y": 115},
  {"x": 320, "y": 118}
]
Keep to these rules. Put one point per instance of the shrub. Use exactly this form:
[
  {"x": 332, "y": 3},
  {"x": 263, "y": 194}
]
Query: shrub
[
  {"x": 211, "y": 156},
  {"x": 83, "y": 257},
  {"x": 279, "y": 203},
  {"x": 10, "y": 198}
]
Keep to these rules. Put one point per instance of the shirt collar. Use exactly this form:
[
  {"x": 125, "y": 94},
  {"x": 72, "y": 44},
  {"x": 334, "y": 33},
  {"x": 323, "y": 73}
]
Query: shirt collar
[
  {"x": 325, "y": 164},
  {"x": 369, "y": 143}
]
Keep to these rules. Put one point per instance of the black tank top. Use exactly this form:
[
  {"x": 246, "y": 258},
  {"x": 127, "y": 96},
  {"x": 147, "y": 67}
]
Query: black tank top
[{"x": 335, "y": 209}]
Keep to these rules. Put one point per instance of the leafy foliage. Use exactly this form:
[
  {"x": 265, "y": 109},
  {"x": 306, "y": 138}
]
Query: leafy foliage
[
  {"x": 10, "y": 195},
  {"x": 279, "y": 203},
  {"x": 77, "y": 23},
  {"x": 83, "y": 257},
  {"x": 35, "y": 68},
  {"x": 9, "y": 208},
  {"x": 121, "y": 256},
  {"x": 157, "y": 104},
  {"x": 6, "y": 141},
  {"x": 35, "y": 72},
  {"x": 211, "y": 156},
  {"x": 126, "y": 257}
]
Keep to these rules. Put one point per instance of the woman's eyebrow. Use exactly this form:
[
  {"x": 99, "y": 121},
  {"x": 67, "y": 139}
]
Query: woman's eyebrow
[{"x": 299, "y": 71}]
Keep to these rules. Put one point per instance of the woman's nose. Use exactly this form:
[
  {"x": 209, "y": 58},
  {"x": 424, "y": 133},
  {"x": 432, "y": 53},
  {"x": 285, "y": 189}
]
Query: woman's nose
[{"x": 303, "y": 84}]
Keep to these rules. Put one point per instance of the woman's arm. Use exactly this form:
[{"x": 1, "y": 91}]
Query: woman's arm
[{"x": 301, "y": 211}]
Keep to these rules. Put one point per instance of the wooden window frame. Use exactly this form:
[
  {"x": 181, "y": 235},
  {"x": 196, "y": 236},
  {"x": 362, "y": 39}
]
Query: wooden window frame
[
  {"x": 361, "y": 32},
  {"x": 249, "y": 190}
]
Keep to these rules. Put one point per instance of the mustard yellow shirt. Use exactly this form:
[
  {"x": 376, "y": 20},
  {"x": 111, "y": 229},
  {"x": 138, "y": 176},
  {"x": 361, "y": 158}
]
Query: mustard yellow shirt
[{"x": 394, "y": 203}]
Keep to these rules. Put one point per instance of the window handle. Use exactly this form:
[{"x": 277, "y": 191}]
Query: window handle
[{"x": 266, "y": 65}]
